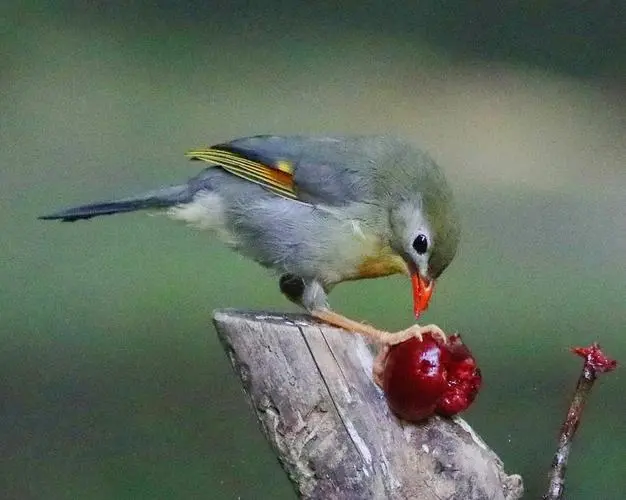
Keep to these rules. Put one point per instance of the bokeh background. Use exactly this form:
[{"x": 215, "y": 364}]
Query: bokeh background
[{"x": 112, "y": 381}]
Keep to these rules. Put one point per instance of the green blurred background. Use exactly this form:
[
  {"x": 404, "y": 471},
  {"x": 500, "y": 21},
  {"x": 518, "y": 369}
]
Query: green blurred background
[{"x": 112, "y": 381}]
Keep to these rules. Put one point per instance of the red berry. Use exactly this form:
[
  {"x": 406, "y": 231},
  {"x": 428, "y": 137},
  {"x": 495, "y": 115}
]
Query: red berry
[
  {"x": 414, "y": 378},
  {"x": 428, "y": 376}
]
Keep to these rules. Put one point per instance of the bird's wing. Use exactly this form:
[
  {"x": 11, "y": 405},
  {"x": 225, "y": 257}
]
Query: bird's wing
[
  {"x": 276, "y": 176},
  {"x": 328, "y": 170}
]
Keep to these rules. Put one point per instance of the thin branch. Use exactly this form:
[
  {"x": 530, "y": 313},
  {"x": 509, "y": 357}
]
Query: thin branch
[{"x": 596, "y": 362}]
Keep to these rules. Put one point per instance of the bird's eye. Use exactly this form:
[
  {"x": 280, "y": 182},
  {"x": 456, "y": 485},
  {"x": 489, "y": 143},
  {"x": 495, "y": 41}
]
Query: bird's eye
[{"x": 420, "y": 244}]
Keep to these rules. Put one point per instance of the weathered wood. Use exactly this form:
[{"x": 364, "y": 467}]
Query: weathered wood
[{"x": 311, "y": 388}]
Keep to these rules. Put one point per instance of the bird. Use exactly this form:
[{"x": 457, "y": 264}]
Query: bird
[{"x": 318, "y": 210}]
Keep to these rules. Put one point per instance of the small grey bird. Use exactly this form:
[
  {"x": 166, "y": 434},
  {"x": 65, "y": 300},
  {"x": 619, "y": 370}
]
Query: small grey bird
[{"x": 319, "y": 210}]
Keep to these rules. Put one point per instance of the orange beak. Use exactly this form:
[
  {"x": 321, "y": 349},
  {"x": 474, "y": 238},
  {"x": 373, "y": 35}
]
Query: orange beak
[{"x": 422, "y": 291}]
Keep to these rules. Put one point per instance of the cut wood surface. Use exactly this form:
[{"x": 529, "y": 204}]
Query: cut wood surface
[{"x": 329, "y": 424}]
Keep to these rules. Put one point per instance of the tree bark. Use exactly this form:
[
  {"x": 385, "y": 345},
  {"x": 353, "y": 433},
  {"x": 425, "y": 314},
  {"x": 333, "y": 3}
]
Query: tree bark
[{"x": 329, "y": 424}]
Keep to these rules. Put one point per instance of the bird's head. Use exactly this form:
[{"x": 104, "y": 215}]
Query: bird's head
[{"x": 425, "y": 233}]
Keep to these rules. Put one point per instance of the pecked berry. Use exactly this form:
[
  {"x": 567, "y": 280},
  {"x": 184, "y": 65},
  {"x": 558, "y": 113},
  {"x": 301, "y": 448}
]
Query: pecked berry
[
  {"x": 428, "y": 376},
  {"x": 464, "y": 379}
]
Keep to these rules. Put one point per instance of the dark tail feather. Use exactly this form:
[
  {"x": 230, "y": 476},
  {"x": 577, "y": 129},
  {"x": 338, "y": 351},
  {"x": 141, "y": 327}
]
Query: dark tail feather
[{"x": 159, "y": 198}]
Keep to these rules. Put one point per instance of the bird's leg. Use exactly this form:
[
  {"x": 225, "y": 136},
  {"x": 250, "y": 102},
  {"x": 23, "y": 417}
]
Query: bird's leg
[
  {"x": 374, "y": 334},
  {"x": 312, "y": 296}
]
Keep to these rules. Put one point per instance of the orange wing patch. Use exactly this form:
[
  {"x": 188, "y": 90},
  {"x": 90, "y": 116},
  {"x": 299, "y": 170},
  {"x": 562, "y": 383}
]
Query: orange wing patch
[{"x": 277, "y": 178}]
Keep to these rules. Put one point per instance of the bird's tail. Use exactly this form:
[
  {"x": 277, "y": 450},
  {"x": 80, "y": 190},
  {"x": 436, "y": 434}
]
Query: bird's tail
[{"x": 160, "y": 198}]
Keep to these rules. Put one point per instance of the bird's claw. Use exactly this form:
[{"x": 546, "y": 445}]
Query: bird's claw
[
  {"x": 378, "y": 368},
  {"x": 418, "y": 332},
  {"x": 435, "y": 331}
]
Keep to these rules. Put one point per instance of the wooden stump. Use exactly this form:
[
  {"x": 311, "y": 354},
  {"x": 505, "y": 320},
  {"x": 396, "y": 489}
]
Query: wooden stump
[{"x": 311, "y": 388}]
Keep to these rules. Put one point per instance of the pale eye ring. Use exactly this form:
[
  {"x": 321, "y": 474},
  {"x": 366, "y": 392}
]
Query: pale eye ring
[{"x": 420, "y": 244}]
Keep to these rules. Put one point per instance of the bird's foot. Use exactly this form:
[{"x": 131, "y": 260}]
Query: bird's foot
[
  {"x": 418, "y": 332},
  {"x": 374, "y": 334},
  {"x": 384, "y": 339},
  {"x": 378, "y": 368}
]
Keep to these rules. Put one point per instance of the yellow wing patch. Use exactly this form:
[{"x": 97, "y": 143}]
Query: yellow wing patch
[{"x": 277, "y": 178}]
